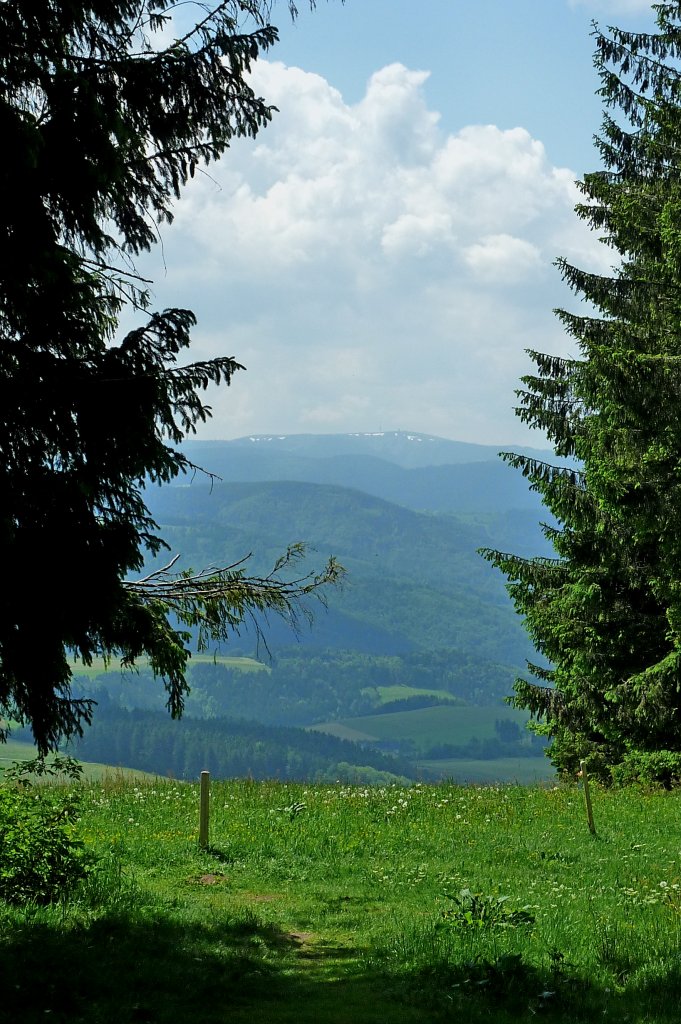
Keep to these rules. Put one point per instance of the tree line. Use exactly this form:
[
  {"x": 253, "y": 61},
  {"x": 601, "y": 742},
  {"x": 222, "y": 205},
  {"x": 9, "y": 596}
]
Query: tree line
[{"x": 229, "y": 748}]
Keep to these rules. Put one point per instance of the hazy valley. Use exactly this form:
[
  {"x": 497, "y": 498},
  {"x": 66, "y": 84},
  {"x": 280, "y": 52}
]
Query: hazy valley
[{"x": 404, "y": 672}]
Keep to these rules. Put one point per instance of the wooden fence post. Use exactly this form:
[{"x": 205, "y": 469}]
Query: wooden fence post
[
  {"x": 587, "y": 797},
  {"x": 204, "y": 810}
]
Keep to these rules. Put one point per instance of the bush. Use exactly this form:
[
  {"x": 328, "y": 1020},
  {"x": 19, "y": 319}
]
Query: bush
[
  {"x": 40, "y": 861},
  {"x": 649, "y": 768}
]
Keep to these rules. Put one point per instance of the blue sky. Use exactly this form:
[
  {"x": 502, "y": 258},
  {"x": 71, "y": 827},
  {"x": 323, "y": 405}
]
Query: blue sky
[
  {"x": 503, "y": 62},
  {"x": 381, "y": 256}
]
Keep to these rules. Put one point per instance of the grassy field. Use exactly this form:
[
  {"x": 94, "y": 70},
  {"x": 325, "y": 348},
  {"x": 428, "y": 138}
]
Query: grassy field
[
  {"x": 99, "y": 665},
  {"x": 426, "y": 726},
  {"x": 400, "y": 692},
  {"x": 342, "y": 905},
  {"x": 16, "y": 750},
  {"x": 522, "y": 771}
]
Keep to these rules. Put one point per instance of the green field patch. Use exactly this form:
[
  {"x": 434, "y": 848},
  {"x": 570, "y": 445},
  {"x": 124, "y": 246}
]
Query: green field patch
[
  {"x": 387, "y": 694},
  {"x": 240, "y": 664},
  {"x": 15, "y": 750},
  {"x": 20, "y": 750},
  {"x": 100, "y": 665},
  {"x": 522, "y": 771},
  {"x": 426, "y": 727},
  {"x": 343, "y": 731}
]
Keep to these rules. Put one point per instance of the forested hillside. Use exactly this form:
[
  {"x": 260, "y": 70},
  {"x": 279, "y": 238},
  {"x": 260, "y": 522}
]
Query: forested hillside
[
  {"x": 301, "y": 686},
  {"x": 231, "y": 748},
  {"x": 415, "y": 581}
]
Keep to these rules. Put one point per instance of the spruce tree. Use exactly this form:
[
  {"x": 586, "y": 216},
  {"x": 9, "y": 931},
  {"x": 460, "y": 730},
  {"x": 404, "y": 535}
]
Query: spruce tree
[
  {"x": 101, "y": 127},
  {"x": 605, "y": 612}
]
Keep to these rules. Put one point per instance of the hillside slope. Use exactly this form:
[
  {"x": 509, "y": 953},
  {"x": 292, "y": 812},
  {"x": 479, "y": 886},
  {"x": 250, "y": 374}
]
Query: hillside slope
[{"x": 415, "y": 580}]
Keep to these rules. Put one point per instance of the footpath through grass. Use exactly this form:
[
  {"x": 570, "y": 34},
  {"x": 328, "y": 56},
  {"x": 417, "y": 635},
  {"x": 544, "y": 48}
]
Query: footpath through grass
[{"x": 342, "y": 904}]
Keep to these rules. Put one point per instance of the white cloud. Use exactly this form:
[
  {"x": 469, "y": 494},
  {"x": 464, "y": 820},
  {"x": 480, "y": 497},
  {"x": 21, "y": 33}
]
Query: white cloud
[
  {"x": 503, "y": 258},
  {"x": 369, "y": 269},
  {"x": 616, "y": 7}
]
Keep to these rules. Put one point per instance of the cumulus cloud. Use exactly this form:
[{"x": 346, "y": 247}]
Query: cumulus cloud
[
  {"x": 371, "y": 270},
  {"x": 504, "y": 258}
]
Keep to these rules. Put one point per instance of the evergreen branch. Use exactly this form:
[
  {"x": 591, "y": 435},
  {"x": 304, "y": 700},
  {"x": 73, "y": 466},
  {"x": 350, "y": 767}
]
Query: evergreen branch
[
  {"x": 100, "y": 266},
  {"x": 216, "y": 600}
]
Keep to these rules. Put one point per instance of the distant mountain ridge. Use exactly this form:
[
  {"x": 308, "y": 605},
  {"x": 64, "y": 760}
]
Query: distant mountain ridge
[
  {"x": 409, "y": 449},
  {"x": 417, "y": 471}
]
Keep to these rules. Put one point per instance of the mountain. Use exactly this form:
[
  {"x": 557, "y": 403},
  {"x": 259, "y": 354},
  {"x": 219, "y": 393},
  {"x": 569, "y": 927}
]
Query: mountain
[
  {"x": 416, "y": 470},
  {"x": 422, "y": 620},
  {"x": 404, "y": 513},
  {"x": 415, "y": 581},
  {"x": 408, "y": 449}
]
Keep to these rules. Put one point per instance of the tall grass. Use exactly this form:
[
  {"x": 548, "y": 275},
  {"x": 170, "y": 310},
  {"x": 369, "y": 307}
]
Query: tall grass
[{"x": 339, "y": 903}]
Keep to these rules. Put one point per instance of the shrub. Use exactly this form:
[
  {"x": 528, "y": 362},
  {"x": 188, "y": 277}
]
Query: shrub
[
  {"x": 40, "y": 861},
  {"x": 649, "y": 768}
]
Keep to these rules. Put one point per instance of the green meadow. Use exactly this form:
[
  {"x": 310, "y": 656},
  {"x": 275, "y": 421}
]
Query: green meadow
[
  {"x": 426, "y": 726},
  {"x": 353, "y": 905},
  {"x": 14, "y": 751},
  {"x": 387, "y": 694},
  {"x": 521, "y": 771},
  {"x": 101, "y": 665}
]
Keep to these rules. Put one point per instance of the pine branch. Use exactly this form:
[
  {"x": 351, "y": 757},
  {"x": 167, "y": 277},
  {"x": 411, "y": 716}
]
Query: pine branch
[{"x": 216, "y": 599}]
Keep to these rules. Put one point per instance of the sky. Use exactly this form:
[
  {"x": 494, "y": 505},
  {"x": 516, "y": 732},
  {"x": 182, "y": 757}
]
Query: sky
[{"x": 381, "y": 256}]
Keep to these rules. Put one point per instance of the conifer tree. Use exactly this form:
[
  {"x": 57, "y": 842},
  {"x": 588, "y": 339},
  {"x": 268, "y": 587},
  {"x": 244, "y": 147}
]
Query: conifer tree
[
  {"x": 102, "y": 123},
  {"x": 606, "y": 610}
]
